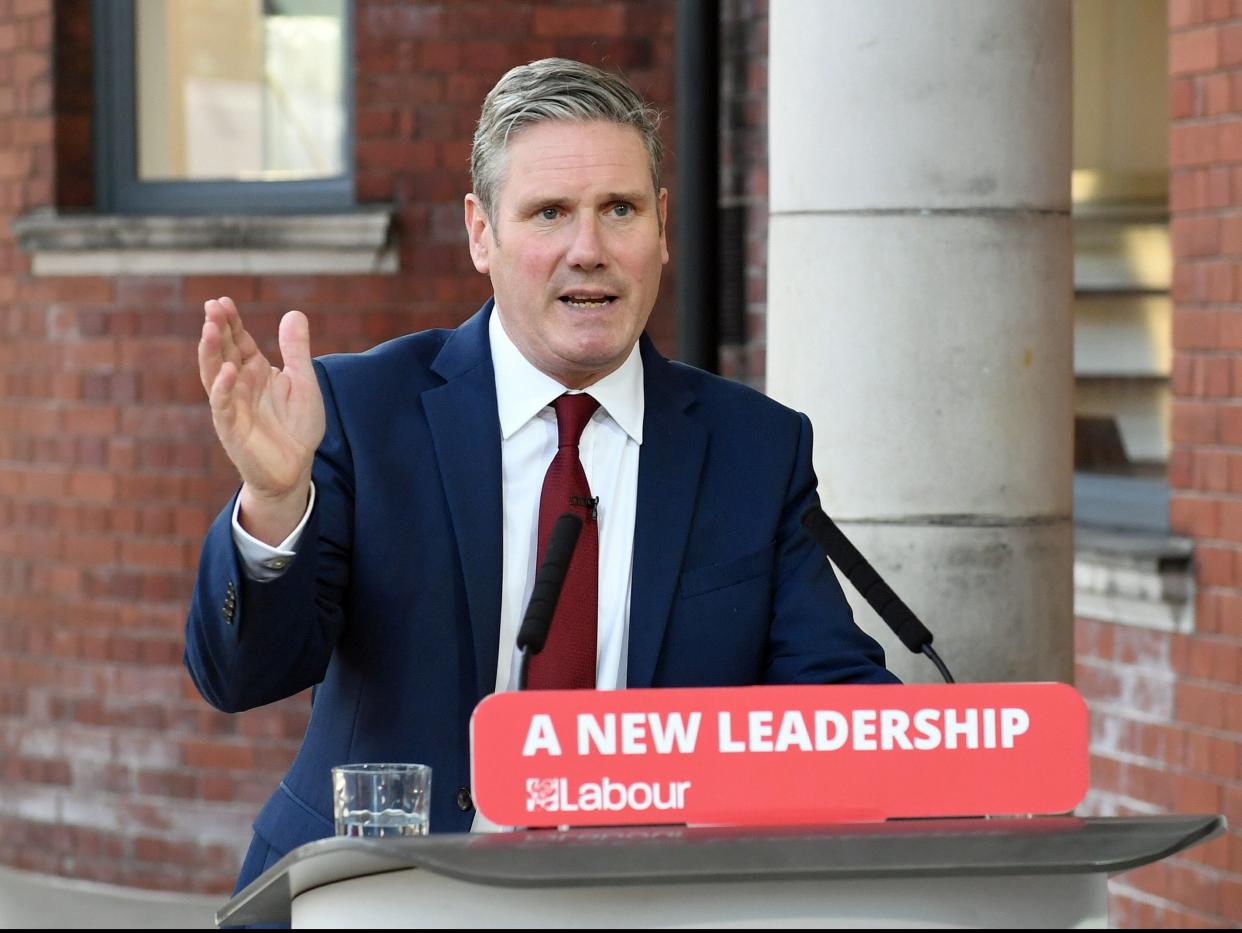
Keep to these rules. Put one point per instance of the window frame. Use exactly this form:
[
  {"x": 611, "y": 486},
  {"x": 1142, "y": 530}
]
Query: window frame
[{"x": 119, "y": 190}]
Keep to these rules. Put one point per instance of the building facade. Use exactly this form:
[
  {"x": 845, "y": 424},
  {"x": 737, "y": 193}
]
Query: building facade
[{"x": 112, "y": 235}]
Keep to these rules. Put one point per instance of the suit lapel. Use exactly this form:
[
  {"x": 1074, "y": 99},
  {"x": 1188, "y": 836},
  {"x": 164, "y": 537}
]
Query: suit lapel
[
  {"x": 669, "y": 466},
  {"x": 465, "y": 430}
]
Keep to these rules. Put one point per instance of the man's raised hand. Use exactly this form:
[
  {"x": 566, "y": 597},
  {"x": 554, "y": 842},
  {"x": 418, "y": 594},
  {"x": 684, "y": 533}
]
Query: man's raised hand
[{"x": 269, "y": 420}]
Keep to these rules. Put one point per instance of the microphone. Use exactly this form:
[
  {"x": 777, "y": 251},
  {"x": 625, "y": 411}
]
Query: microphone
[
  {"x": 549, "y": 579},
  {"x": 888, "y": 605}
]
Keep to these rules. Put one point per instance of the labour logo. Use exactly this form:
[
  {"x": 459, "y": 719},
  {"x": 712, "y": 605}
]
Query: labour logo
[{"x": 543, "y": 794}]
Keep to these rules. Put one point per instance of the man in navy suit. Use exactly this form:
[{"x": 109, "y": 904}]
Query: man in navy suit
[{"x": 385, "y": 537}]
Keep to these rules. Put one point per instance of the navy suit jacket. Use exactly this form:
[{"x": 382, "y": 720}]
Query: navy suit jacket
[{"x": 391, "y": 608}]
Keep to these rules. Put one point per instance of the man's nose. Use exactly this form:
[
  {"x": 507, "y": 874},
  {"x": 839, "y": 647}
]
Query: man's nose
[{"x": 587, "y": 250}]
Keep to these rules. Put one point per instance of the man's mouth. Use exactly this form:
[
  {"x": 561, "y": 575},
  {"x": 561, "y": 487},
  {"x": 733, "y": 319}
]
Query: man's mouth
[{"x": 587, "y": 301}]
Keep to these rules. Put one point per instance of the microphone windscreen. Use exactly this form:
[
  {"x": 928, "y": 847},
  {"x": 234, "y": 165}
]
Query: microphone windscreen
[
  {"x": 548, "y": 582},
  {"x": 878, "y": 594}
]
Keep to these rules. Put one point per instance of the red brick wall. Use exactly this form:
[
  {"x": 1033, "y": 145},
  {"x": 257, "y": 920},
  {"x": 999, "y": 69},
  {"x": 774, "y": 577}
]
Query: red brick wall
[
  {"x": 1167, "y": 709},
  {"x": 1159, "y": 744},
  {"x": 113, "y": 768}
]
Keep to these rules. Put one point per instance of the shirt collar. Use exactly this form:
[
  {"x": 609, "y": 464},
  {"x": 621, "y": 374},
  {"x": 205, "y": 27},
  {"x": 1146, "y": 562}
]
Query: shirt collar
[{"x": 522, "y": 391}]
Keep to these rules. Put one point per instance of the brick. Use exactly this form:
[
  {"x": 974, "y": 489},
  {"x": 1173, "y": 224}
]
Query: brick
[
  {"x": 1229, "y": 605},
  {"x": 1097, "y": 684},
  {"x": 1230, "y": 424},
  {"x": 217, "y": 755},
  {"x": 304, "y": 290},
  {"x": 1214, "y": 855},
  {"x": 1181, "y": 468},
  {"x": 1208, "y": 612},
  {"x": 1195, "y": 236},
  {"x": 1227, "y": 140},
  {"x": 1230, "y": 897},
  {"x": 372, "y": 186},
  {"x": 388, "y": 20},
  {"x": 1149, "y": 785},
  {"x": 1231, "y": 530},
  {"x": 1220, "y": 187},
  {"x": 1212, "y": 660},
  {"x": 72, "y": 290},
  {"x": 1217, "y": 90},
  {"x": 466, "y": 88},
  {"x": 92, "y": 486},
  {"x": 1235, "y": 472},
  {"x": 1184, "y": 13},
  {"x": 609, "y": 20},
  {"x": 148, "y": 290},
  {"x": 1194, "y": 422},
  {"x": 1219, "y": 284},
  {"x": 1149, "y": 740},
  {"x": 444, "y": 56},
  {"x": 1183, "y": 98},
  {"x": 1231, "y": 44},
  {"x": 1197, "y": 330},
  {"x": 1188, "y": 192},
  {"x": 1223, "y": 764},
  {"x": 395, "y": 155},
  {"x": 1189, "y": 884},
  {"x": 91, "y": 549},
  {"x": 150, "y": 553},
  {"x": 1093, "y": 639},
  {"x": 198, "y": 289},
  {"x": 1229, "y": 330},
  {"x": 1201, "y": 705},
  {"x": 375, "y": 123},
  {"x": 1210, "y": 471},
  {"x": 1142, "y": 647},
  {"x": 1212, "y": 378}
]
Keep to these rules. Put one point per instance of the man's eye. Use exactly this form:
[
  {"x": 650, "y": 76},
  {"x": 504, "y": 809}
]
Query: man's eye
[
  {"x": 549, "y": 213},
  {"x": 622, "y": 210}
]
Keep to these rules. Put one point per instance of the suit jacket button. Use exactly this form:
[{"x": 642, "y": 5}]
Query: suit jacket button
[{"x": 464, "y": 802}]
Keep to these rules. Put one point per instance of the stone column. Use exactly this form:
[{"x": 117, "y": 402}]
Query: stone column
[{"x": 919, "y": 289}]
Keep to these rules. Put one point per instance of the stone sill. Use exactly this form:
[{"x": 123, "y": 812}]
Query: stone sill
[
  {"x": 1145, "y": 580},
  {"x": 355, "y": 243}
]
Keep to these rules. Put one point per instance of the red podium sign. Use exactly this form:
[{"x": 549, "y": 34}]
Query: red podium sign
[{"x": 778, "y": 755}]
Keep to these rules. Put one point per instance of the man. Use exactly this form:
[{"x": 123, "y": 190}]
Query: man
[{"x": 394, "y": 504}]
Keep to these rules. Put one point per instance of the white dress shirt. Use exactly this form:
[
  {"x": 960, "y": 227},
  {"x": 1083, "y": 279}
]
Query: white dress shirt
[{"x": 609, "y": 450}]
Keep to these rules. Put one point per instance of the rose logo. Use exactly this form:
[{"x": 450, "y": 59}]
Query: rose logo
[{"x": 543, "y": 794}]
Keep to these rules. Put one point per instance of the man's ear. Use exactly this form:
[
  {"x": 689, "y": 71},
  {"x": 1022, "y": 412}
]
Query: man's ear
[
  {"x": 662, "y": 207},
  {"x": 480, "y": 231}
]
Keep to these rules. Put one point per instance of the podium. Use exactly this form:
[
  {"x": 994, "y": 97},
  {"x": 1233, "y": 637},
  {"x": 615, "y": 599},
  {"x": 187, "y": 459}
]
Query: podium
[{"x": 976, "y": 872}]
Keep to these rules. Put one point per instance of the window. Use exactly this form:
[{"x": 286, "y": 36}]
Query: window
[
  {"x": 209, "y": 107},
  {"x": 1122, "y": 264}
]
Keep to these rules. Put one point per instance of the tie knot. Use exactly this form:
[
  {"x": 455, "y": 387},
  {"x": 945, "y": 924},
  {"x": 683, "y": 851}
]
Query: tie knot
[{"x": 572, "y": 414}]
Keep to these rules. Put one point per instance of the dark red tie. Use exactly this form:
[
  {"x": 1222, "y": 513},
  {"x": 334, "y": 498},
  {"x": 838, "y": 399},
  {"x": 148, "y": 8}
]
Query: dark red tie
[{"x": 567, "y": 661}]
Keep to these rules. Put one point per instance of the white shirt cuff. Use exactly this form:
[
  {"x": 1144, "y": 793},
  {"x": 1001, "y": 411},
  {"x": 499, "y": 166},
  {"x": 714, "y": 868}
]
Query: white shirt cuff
[{"x": 261, "y": 561}]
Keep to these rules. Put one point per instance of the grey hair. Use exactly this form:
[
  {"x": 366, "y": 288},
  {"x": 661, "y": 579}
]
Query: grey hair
[{"x": 554, "y": 89}]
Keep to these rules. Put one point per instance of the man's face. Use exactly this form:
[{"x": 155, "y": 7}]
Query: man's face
[{"x": 575, "y": 247}]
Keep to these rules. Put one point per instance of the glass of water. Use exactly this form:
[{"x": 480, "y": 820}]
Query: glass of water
[{"x": 381, "y": 799}]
